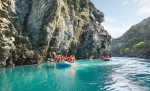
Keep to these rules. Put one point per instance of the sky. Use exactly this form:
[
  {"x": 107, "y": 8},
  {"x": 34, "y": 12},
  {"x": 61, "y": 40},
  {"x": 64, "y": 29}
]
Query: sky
[{"x": 120, "y": 15}]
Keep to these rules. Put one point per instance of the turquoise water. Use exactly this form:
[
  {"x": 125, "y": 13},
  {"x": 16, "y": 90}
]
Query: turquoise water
[{"x": 121, "y": 74}]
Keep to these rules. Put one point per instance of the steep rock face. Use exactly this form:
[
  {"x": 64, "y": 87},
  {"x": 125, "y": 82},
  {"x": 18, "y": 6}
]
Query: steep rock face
[{"x": 33, "y": 31}]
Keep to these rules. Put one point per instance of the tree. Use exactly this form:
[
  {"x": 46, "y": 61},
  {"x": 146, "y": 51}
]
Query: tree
[{"x": 127, "y": 50}]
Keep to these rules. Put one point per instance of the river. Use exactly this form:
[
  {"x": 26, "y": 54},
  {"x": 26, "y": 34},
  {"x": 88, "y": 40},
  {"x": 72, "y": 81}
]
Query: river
[{"x": 121, "y": 74}]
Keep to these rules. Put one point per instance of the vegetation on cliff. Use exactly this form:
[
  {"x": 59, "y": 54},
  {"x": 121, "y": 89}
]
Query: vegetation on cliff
[{"x": 135, "y": 42}]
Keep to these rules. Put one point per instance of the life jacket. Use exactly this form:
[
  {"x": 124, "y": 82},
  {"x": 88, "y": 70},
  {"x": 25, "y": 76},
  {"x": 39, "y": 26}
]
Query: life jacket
[
  {"x": 107, "y": 57},
  {"x": 71, "y": 59},
  {"x": 57, "y": 59},
  {"x": 102, "y": 57},
  {"x": 67, "y": 58},
  {"x": 62, "y": 57},
  {"x": 74, "y": 59}
]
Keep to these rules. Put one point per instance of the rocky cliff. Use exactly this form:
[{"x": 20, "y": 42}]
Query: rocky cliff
[{"x": 33, "y": 31}]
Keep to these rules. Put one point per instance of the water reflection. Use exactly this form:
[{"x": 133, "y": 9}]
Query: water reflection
[
  {"x": 22, "y": 77},
  {"x": 73, "y": 73}
]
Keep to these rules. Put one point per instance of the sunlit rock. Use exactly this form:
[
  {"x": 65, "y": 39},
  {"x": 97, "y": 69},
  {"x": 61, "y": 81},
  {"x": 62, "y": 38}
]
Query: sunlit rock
[{"x": 33, "y": 31}]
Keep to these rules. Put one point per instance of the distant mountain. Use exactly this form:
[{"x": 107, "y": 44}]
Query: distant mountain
[{"x": 135, "y": 42}]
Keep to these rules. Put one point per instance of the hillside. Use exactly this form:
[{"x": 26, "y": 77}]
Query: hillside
[
  {"x": 135, "y": 42},
  {"x": 33, "y": 31}
]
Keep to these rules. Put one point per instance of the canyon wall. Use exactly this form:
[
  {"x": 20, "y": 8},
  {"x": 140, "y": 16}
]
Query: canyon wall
[{"x": 33, "y": 31}]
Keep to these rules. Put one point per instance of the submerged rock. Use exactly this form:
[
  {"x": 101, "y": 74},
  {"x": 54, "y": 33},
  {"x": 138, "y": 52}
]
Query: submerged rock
[{"x": 33, "y": 31}]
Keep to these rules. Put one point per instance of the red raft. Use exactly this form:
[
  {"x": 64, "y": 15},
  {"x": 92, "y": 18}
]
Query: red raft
[
  {"x": 65, "y": 61},
  {"x": 105, "y": 58}
]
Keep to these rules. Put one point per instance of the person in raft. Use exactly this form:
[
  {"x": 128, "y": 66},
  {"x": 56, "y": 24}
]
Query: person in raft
[
  {"x": 104, "y": 56},
  {"x": 72, "y": 58},
  {"x": 58, "y": 59}
]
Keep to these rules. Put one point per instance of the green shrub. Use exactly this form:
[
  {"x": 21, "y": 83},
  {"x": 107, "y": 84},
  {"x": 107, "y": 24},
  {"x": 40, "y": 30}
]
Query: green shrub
[
  {"x": 139, "y": 45},
  {"x": 127, "y": 50}
]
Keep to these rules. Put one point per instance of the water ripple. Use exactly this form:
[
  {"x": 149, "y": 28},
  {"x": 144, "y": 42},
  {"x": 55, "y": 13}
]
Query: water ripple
[{"x": 121, "y": 74}]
